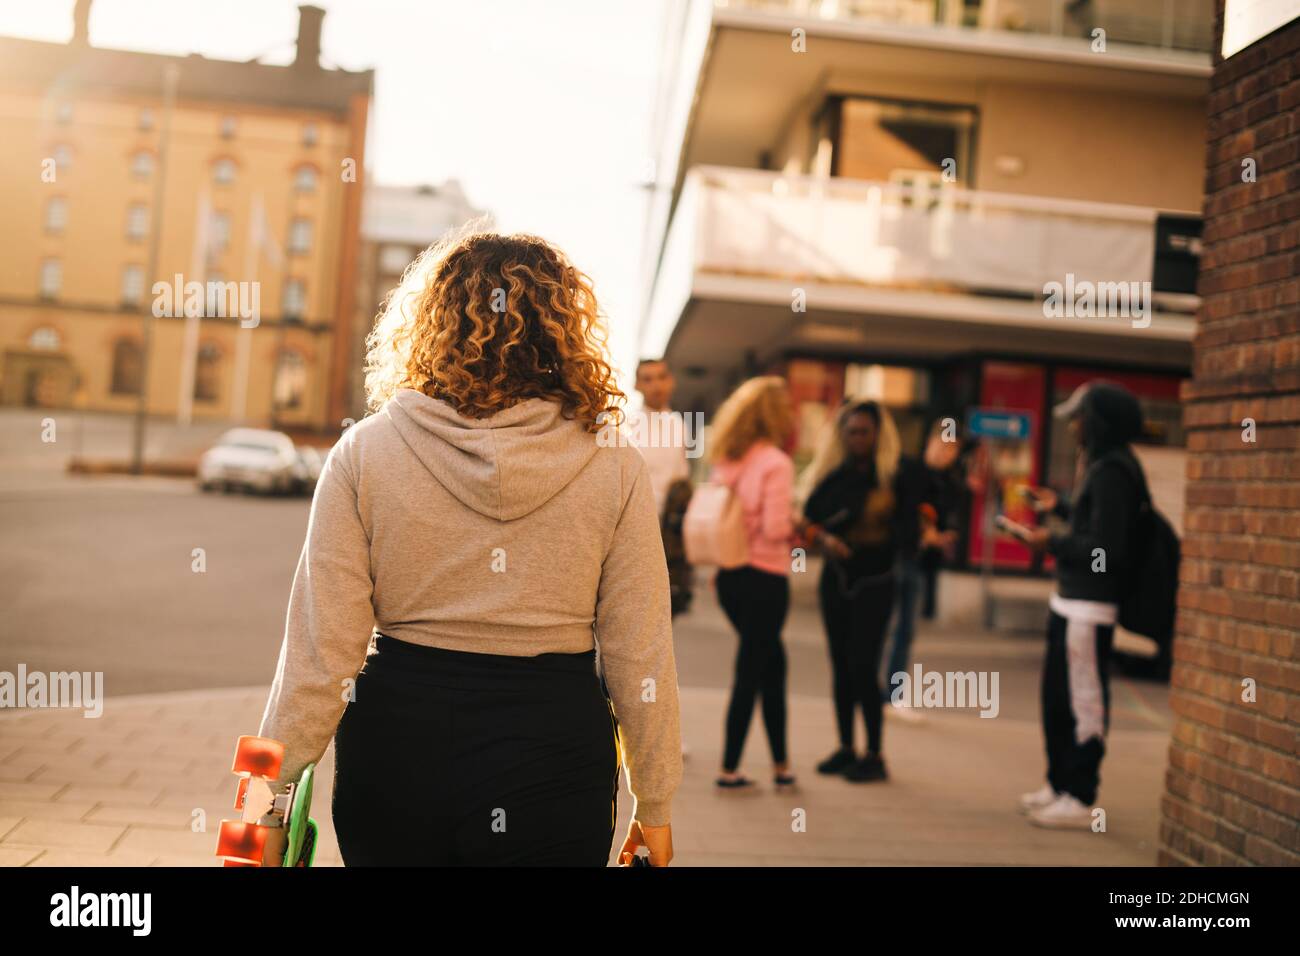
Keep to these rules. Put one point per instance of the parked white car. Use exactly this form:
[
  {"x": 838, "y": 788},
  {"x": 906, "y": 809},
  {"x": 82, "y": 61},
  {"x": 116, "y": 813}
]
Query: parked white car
[
  {"x": 252, "y": 459},
  {"x": 310, "y": 462}
]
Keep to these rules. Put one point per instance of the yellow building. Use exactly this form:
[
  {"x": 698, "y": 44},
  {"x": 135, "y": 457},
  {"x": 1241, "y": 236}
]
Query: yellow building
[{"x": 252, "y": 175}]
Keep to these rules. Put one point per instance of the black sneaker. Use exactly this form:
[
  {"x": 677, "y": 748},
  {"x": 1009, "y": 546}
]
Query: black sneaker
[
  {"x": 866, "y": 770},
  {"x": 837, "y": 762}
]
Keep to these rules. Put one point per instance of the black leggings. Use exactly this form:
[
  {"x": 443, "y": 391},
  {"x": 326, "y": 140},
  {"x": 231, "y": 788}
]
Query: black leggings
[
  {"x": 449, "y": 758},
  {"x": 856, "y": 615},
  {"x": 756, "y": 603}
]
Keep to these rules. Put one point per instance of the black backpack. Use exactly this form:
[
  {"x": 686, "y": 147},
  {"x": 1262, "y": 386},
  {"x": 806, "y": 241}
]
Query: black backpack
[{"x": 1149, "y": 600}]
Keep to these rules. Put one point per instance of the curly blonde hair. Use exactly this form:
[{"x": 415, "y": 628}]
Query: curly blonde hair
[
  {"x": 484, "y": 321},
  {"x": 759, "y": 410}
]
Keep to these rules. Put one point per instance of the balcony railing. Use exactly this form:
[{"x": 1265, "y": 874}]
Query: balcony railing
[
  {"x": 876, "y": 233},
  {"x": 741, "y": 224},
  {"x": 1167, "y": 24}
]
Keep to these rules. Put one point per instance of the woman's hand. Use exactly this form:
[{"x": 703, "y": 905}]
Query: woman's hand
[
  {"x": 658, "y": 840},
  {"x": 932, "y": 537},
  {"x": 277, "y": 840},
  {"x": 1037, "y": 539},
  {"x": 835, "y": 546},
  {"x": 1042, "y": 499}
]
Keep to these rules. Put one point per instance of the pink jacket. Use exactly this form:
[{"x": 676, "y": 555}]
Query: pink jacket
[{"x": 764, "y": 480}]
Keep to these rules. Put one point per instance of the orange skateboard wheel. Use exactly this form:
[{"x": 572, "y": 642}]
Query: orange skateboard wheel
[
  {"x": 238, "y": 863},
  {"x": 259, "y": 757},
  {"x": 245, "y": 841}
]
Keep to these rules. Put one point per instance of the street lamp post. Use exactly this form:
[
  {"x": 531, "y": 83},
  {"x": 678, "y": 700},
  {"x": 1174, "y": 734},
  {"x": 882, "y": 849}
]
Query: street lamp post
[{"x": 171, "y": 76}]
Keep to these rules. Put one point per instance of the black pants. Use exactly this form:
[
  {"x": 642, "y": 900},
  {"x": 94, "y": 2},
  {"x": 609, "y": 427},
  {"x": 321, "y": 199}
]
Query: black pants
[
  {"x": 449, "y": 758},
  {"x": 756, "y": 602},
  {"x": 856, "y": 614},
  {"x": 1076, "y": 704}
]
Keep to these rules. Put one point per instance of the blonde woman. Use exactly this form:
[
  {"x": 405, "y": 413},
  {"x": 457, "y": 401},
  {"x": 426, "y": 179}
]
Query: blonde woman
[
  {"x": 748, "y": 432},
  {"x": 471, "y": 546},
  {"x": 862, "y": 507}
]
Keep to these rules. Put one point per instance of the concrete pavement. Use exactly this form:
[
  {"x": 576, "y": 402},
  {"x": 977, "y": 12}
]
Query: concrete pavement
[{"x": 147, "y": 783}]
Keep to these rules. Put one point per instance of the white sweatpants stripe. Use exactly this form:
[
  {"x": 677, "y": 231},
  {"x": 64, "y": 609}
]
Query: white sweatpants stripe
[{"x": 1086, "y": 701}]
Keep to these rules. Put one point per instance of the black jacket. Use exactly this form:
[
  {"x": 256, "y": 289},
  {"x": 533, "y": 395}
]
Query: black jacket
[
  {"x": 1105, "y": 508},
  {"x": 837, "y": 501}
]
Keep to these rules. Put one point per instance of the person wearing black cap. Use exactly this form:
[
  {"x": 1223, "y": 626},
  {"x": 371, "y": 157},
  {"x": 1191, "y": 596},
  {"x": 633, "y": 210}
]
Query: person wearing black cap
[{"x": 1092, "y": 563}]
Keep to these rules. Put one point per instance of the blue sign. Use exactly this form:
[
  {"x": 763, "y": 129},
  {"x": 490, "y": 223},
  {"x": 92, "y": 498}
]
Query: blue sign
[{"x": 995, "y": 423}]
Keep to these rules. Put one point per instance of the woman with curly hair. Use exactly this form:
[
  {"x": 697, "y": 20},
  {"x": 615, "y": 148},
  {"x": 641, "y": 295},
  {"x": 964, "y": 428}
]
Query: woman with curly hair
[
  {"x": 479, "y": 568},
  {"x": 748, "y": 432}
]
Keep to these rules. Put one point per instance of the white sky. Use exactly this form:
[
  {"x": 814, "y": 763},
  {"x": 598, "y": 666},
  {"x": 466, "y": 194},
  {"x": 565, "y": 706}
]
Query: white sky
[{"x": 541, "y": 108}]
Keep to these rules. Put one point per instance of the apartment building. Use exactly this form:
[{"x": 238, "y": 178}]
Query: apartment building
[
  {"x": 940, "y": 203},
  {"x": 239, "y": 182}
]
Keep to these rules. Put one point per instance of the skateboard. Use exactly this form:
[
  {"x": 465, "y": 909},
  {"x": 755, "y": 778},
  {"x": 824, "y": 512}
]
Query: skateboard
[{"x": 257, "y": 762}]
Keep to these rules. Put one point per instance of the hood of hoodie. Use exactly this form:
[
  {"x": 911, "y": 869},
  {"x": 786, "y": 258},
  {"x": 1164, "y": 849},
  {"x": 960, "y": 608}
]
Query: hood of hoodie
[
  {"x": 504, "y": 466},
  {"x": 1112, "y": 418}
]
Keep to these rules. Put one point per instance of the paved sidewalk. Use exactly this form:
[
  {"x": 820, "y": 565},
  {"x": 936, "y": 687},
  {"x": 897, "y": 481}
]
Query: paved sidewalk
[{"x": 147, "y": 783}]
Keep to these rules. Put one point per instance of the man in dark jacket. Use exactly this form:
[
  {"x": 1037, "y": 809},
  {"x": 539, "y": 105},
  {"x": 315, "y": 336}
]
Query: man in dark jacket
[{"x": 1092, "y": 565}]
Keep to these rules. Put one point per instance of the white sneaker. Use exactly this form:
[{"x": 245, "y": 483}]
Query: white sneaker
[
  {"x": 1038, "y": 799},
  {"x": 1063, "y": 813}
]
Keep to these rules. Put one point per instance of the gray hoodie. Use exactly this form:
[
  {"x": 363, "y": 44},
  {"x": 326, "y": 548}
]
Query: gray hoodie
[{"x": 517, "y": 534}]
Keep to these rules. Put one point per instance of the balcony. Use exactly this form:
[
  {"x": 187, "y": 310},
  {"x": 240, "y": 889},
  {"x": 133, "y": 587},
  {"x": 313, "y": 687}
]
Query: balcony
[
  {"x": 904, "y": 270},
  {"x": 1164, "y": 24}
]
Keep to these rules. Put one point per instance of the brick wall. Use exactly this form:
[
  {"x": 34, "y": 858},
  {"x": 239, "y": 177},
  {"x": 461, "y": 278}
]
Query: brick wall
[{"x": 1233, "y": 784}]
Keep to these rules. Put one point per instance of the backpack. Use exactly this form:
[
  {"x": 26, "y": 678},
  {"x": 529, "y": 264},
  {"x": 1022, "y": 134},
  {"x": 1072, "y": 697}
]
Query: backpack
[
  {"x": 713, "y": 530},
  {"x": 1149, "y": 602}
]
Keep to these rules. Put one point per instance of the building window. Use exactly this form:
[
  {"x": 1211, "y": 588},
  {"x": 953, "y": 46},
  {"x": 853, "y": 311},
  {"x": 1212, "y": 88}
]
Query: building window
[
  {"x": 127, "y": 367},
  {"x": 304, "y": 179},
  {"x": 44, "y": 339},
  {"x": 63, "y": 113},
  {"x": 62, "y": 156},
  {"x": 145, "y": 121},
  {"x": 215, "y": 292},
  {"x": 295, "y": 299},
  {"x": 300, "y": 236},
  {"x": 206, "y": 372},
  {"x": 219, "y": 231},
  {"x": 51, "y": 278},
  {"x": 223, "y": 172},
  {"x": 56, "y": 214},
  {"x": 142, "y": 164},
  {"x": 228, "y": 127},
  {"x": 137, "y": 221},
  {"x": 310, "y": 134},
  {"x": 290, "y": 380},
  {"x": 905, "y": 143},
  {"x": 132, "y": 285}
]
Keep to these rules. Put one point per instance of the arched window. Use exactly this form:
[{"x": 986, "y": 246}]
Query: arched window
[
  {"x": 44, "y": 339},
  {"x": 206, "y": 373},
  {"x": 290, "y": 380},
  {"x": 127, "y": 367}
]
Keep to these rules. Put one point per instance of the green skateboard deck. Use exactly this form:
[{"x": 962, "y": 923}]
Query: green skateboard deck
[{"x": 301, "y": 847}]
